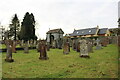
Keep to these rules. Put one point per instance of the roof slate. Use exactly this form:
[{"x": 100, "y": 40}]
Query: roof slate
[
  {"x": 102, "y": 31},
  {"x": 55, "y": 31},
  {"x": 82, "y": 32}
]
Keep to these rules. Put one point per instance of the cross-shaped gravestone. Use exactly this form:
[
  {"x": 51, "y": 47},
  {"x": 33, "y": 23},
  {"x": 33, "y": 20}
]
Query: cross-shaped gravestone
[
  {"x": 9, "y": 54},
  {"x": 84, "y": 48},
  {"x": 43, "y": 52}
]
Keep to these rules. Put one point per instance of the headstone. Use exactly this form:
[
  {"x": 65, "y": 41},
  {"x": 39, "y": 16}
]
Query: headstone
[
  {"x": 66, "y": 48},
  {"x": 14, "y": 47},
  {"x": 22, "y": 43},
  {"x": 26, "y": 47},
  {"x": 90, "y": 45},
  {"x": 60, "y": 44},
  {"x": 43, "y": 52},
  {"x": 74, "y": 45},
  {"x": 114, "y": 39},
  {"x": 84, "y": 48},
  {"x": 34, "y": 43},
  {"x": 78, "y": 46},
  {"x": 104, "y": 41},
  {"x": 9, "y": 54},
  {"x": 48, "y": 46},
  {"x": 98, "y": 44},
  {"x": 53, "y": 44}
]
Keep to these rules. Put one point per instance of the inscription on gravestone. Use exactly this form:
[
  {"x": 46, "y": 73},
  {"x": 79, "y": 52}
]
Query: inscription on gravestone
[{"x": 83, "y": 48}]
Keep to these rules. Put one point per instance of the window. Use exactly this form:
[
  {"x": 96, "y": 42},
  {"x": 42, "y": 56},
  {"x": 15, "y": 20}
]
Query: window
[{"x": 90, "y": 31}]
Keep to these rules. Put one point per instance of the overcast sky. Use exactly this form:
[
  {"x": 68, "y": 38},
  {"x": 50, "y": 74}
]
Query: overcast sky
[{"x": 65, "y": 14}]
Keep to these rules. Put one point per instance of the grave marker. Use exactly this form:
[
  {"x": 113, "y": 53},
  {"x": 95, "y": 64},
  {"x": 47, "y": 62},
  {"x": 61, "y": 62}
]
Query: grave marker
[
  {"x": 9, "y": 54},
  {"x": 66, "y": 48},
  {"x": 43, "y": 53},
  {"x": 84, "y": 48}
]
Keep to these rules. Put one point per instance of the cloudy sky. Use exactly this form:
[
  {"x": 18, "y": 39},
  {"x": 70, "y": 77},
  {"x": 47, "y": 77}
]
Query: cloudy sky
[{"x": 65, "y": 14}]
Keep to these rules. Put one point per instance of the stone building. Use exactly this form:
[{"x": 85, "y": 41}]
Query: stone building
[{"x": 55, "y": 36}]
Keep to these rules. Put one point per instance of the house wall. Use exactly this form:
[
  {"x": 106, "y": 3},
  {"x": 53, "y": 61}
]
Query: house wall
[{"x": 56, "y": 36}]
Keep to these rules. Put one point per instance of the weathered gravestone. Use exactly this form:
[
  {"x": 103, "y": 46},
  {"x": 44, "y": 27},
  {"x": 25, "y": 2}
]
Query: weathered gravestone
[
  {"x": 74, "y": 45},
  {"x": 43, "y": 52},
  {"x": 14, "y": 47},
  {"x": 53, "y": 44},
  {"x": 48, "y": 46},
  {"x": 90, "y": 45},
  {"x": 59, "y": 44},
  {"x": 9, "y": 54},
  {"x": 26, "y": 47},
  {"x": 38, "y": 46},
  {"x": 66, "y": 48},
  {"x": 84, "y": 48},
  {"x": 104, "y": 41},
  {"x": 114, "y": 39},
  {"x": 78, "y": 46},
  {"x": 98, "y": 44}
]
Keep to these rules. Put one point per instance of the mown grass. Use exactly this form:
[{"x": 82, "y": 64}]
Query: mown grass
[
  {"x": 101, "y": 64},
  {"x": 3, "y": 46}
]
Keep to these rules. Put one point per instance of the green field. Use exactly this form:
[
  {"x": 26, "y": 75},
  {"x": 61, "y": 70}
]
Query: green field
[{"x": 101, "y": 64}]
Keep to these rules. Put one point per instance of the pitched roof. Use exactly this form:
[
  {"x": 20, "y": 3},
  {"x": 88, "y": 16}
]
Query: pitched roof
[
  {"x": 55, "y": 31},
  {"x": 82, "y": 32},
  {"x": 102, "y": 31}
]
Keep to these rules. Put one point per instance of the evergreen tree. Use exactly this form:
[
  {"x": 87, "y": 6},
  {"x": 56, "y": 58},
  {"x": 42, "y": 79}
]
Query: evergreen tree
[
  {"x": 14, "y": 27},
  {"x": 28, "y": 28}
]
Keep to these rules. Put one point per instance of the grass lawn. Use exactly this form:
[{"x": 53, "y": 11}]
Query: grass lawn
[
  {"x": 101, "y": 64},
  {"x": 3, "y": 46}
]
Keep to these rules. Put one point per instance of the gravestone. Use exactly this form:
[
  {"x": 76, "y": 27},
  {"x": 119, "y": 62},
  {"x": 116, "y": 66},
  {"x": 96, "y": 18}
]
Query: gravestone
[
  {"x": 48, "y": 46},
  {"x": 78, "y": 46},
  {"x": 53, "y": 44},
  {"x": 84, "y": 48},
  {"x": 34, "y": 43},
  {"x": 9, "y": 54},
  {"x": 43, "y": 52},
  {"x": 114, "y": 39},
  {"x": 66, "y": 48},
  {"x": 14, "y": 47},
  {"x": 38, "y": 46},
  {"x": 104, "y": 41},
  {"x": 90, "y": 45},
  {"x": 22, "y": 43},
  {"x": 98, "y": 44},
  {"x": 26, "y": 47},
  {"x": 59, "y": 44},
  {"x": 74, "y": 45}
]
